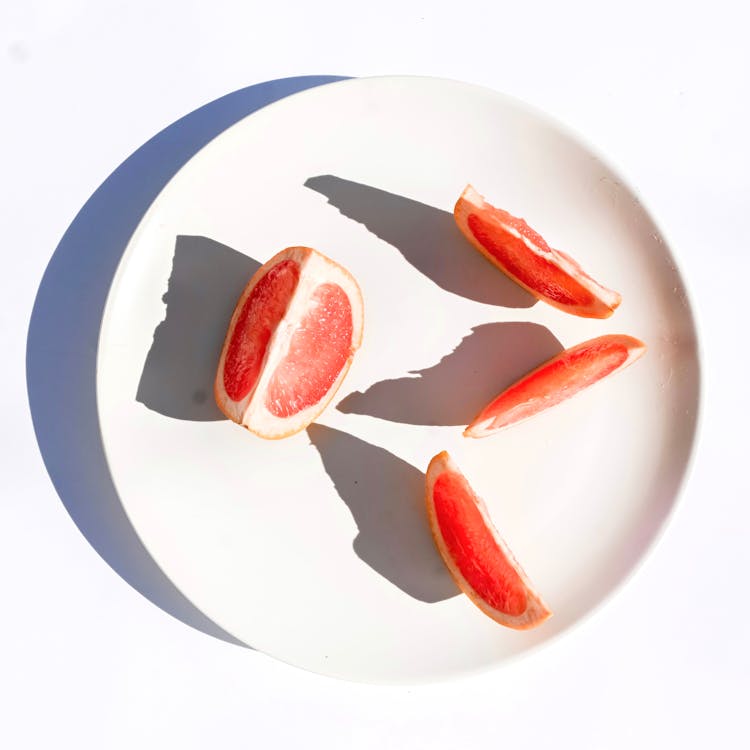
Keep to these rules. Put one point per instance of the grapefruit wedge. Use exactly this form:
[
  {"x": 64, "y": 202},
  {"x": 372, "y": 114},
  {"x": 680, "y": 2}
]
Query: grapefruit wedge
[
  {"x": 556, "y": 380},
  {"x": 290, "y": 342},
  {"x": 477, "y": 557},
  {"x": 519, "y": 252}
]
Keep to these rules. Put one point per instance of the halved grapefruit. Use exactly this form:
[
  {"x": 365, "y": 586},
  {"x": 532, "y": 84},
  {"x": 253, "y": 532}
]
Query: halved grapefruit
[
  {"x": 291, "y": 340},
  {"x": 474, "y": 552},
  {"x": 556, "y": 380},
  {"x": 519, "y": 252}
]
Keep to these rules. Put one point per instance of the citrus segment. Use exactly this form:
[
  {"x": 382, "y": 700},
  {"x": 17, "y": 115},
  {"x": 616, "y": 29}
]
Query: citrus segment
[
  {"x": 556, "y": 380},
  {"x": 473, "y": 547},
  {"x": 534, "y": 271},
  {"x": 258, "y": 318},
  {"x": 523, "y": 255},
  {"x": 318, "y": 351},
  {"x": 474, "y": 552},
  {"x": 290, "y": 343}
]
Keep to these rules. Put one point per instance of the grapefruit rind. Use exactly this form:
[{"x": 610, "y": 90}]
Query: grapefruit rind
[
  {"x": 489, "y": 421},
  {"x": 251, "y": 412},
  {"x": 536, "y": 611},
  {"x": 601, "y": 302}
]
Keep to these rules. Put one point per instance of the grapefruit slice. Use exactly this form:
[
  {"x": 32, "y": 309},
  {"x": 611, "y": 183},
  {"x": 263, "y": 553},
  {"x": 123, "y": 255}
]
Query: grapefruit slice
[
  {"x": 476, "y": 555},
  {"x": 556, "y": 380},
  {"x": 290, "y": 342},
  {"x": 519, "y": 252}
]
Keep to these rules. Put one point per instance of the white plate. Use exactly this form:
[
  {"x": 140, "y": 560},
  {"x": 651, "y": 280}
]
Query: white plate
[{"x": 315, "y": 549}]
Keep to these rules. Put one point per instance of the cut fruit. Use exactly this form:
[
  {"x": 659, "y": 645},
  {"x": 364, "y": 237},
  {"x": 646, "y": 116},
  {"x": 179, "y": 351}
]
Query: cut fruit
[
  {"x": 290, "y": 342},
  {"x": 475, "y": 554},
  {"x": 556, "y": 380},
  {"x": 519, "y": 252}
]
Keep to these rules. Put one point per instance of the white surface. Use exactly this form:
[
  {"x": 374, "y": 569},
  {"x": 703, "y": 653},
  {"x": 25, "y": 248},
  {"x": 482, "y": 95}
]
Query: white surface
[
  {"x": 257, "y": 533},
  {"x": 88, "y": 662}
]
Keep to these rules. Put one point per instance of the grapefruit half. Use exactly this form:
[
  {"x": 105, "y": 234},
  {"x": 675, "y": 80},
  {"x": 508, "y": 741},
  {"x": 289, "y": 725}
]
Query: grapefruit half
[
  {"x": 556, "y": 380},
  {"x": 290, "y": 342},
  {"x": 477, "y": 557},
  {"x": 518, "y": 251}
]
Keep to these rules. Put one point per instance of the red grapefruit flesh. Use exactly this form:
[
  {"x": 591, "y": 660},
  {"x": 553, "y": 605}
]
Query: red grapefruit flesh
[
  {"x": 317, "y": 352},
  {"x": 290, "y": 342},
  {"x": 260, "y": 315},
  {"x": 556, "y": 380},
  {"x": 522, "y": 254},
  {"x": 474, "y": 552}
]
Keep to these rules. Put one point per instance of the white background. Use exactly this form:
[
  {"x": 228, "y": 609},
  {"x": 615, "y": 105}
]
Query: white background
[{"x": 662, "y": 89}]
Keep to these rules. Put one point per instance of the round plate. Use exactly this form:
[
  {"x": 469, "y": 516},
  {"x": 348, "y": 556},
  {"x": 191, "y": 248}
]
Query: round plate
[{"x": 315, "y": 549}]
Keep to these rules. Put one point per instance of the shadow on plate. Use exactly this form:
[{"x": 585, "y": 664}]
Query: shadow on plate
[
  {"x": 206, "y": 281},
  {"x": 453, "y": 391},
  {"x": 428, "y": 239},
  {"x": 386, "y": 497},
  {"x": 64, "y": 329}
]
